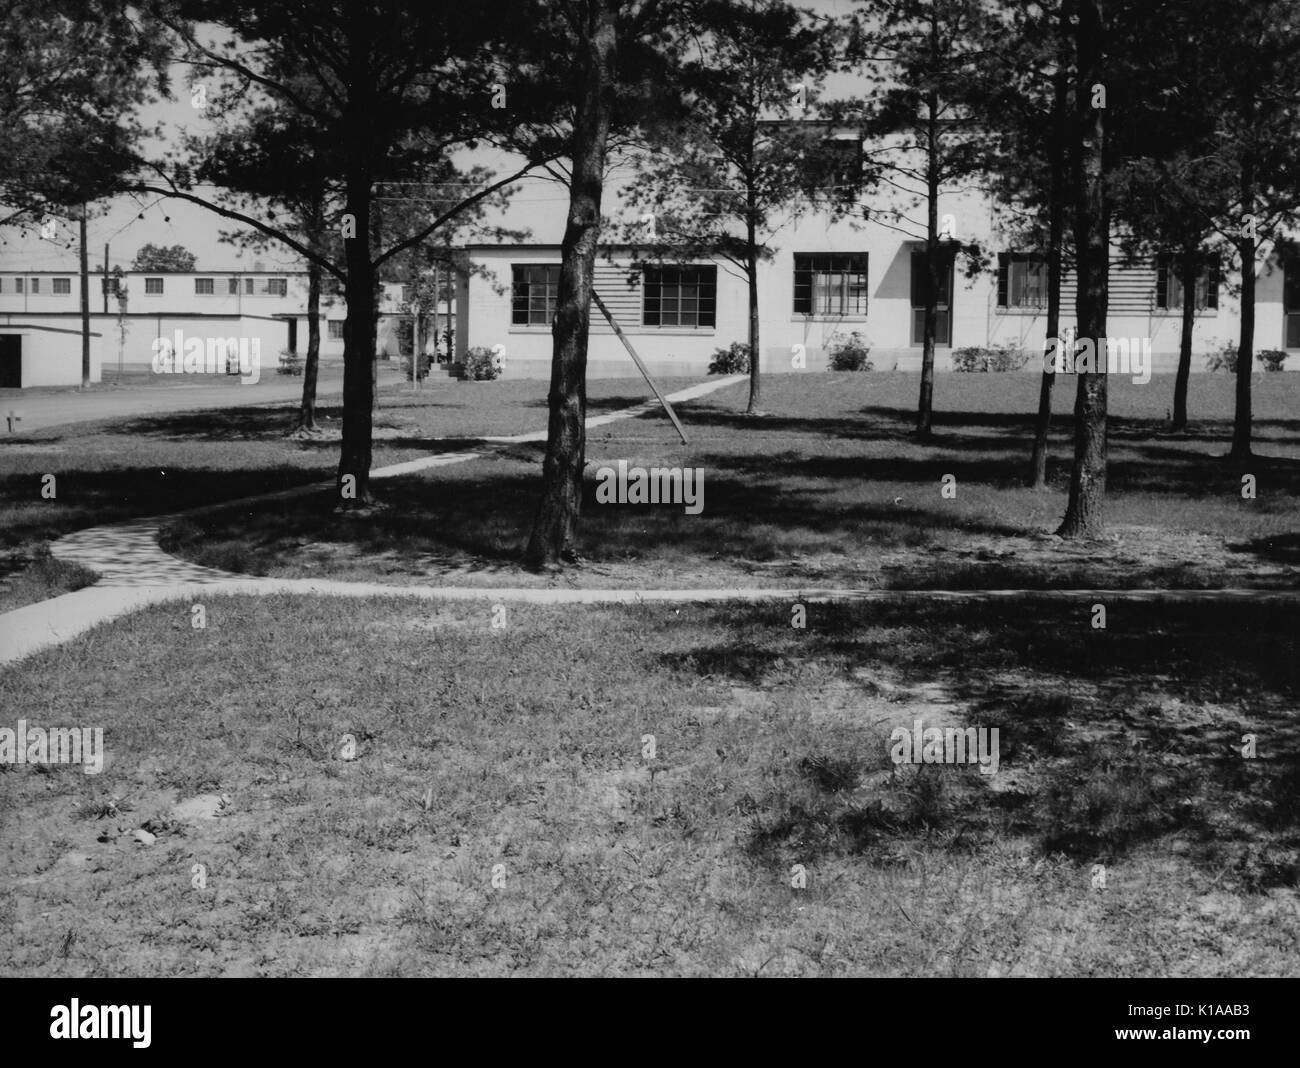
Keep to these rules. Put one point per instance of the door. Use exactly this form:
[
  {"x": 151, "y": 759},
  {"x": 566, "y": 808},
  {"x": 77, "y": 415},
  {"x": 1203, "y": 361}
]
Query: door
[
  {"x": 293, "y": 335},
  {"x": 11, "y": 361},
  {"x": 943, "y": 326},
  {"x": 1291, "y": 303}
]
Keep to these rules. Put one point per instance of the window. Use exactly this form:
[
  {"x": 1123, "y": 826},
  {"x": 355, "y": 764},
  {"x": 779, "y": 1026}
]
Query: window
[
  {"x": 844, "y": 164},
  {"x": 335, "y": 328},
  {"x": 36, "y": 285},
  {"x": 153, "y": 285},
  {"x": 1022, "y": 280},
  {"x": 232, "y": 286},
  {"x": 943, "y": 328},
  {"x": 406, "y": 294},
  {"x": 532, "y": 299},
  {"x": 203, "y": 287},
  {"x": 680, "y": 296},
  {"x": 110, "y": 285},
  {"x": 62, "y": 286},
  {"x": 830, "y": 284},
  {"x": 277, "y": 287},
  {"x": 248, "y": 287},
  {"x": 18, "y": 285},
  {"x": 1169, "y": 288}
]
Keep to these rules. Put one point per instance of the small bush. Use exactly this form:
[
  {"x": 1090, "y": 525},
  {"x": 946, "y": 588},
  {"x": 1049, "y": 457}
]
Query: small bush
[
  {"x": 422, "y": 367},
  {"x": 733, "y": 360},
  {"x": 992, "y": 358},
  {"x": 482, "y": 364},
  {"x": 849, "y": 353},
  {"x": 290, "y": 363},
  {"x": 1224, "y": 358},
  {"x": 1272, "y": 359}
]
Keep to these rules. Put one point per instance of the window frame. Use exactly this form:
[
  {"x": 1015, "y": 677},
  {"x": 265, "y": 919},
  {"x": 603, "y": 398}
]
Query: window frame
[
  {"x": 850, "y": 265},
  {"x": 1208, "y": 281},
  {"x": 523, "y": 299},
  {"x": 211, "y": 291},
  {"x": 149, "y": 283},
  {"x": 61, "y": 287},
  {"x": 1007, "y": 262},
  {"x": 654, "y": 280}
]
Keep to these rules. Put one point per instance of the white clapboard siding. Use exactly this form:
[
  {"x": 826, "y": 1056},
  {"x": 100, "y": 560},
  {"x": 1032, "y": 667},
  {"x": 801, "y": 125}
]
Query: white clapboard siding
[
  {"x": 622, "y": 300},
  {"x": 1132, "y": 290}
]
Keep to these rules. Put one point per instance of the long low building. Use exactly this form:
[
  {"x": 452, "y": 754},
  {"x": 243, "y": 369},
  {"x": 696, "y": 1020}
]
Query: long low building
[{"x": 823, "y": 281}]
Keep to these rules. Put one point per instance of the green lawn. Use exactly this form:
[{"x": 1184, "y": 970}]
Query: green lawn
[
  {"x": 1123, "y": 834},
  {"x": 828, "y": 489},
  {"x": 151, "y": 465}
]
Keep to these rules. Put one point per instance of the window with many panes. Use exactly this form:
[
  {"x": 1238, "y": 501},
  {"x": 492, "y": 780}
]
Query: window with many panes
[
  {"x": 62, "y": 286},
  {"x": 680, "y": 296},
  {"x": 830, "y": 283},
  {"x": 204, "y": 287},
  {"x": 153, "y": 285},
  {"x": 232, "y": 286},
  {"x": 335, "y": 327},
  {"x": 1022, "y": 280},
  {"x": 1169, "y": 286},
  {"x": 532, "y": 294}
]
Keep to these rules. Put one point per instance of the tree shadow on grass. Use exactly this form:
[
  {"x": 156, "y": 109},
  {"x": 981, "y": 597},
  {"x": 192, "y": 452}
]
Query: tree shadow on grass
[{"x": 1114, "y": 740}]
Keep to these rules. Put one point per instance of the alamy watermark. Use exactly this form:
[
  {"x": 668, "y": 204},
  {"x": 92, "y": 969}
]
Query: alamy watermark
[
  {"x": 211, "y": 355},
  {"x": 946, "y": 745},
  {"x": 657, "y": 485},
  {"x": 1070, "y": 355},
  {"x": 57, "y": 745}
]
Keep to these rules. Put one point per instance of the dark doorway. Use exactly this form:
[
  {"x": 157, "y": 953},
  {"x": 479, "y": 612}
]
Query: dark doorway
[
  {"x": 293, "y": 335},
  {"x": 11, "y": 361},
  {"x": 943, "y": 328}
]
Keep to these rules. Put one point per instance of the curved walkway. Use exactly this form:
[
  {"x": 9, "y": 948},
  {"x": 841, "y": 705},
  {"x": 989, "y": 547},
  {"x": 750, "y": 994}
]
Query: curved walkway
[{"x": 135, "y": 572}]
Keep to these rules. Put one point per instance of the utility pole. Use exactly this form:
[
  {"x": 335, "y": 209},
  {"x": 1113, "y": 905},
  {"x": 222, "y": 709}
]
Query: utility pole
[
  {"x": 85, "y": 305},
  {"x": 105, "y": 277}
]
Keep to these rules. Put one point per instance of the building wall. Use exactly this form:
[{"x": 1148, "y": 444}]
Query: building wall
[
  {"x": 977, "y": 320},
  {"x": 52, "y": 355}
]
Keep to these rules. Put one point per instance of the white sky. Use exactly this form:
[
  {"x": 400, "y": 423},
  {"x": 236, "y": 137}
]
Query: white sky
[{"x": 537, "y": 204}]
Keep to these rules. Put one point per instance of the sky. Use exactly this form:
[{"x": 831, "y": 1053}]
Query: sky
[{"x": 126, "y": 224}]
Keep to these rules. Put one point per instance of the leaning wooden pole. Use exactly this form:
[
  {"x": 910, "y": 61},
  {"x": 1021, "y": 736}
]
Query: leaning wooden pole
[{"x": 640, "y": 366}]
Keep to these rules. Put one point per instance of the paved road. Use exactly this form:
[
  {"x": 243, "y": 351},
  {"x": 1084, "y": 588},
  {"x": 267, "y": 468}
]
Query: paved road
[{"x": 55, "y": 407}]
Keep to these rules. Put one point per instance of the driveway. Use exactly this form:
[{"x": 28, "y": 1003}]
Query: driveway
[{"x": 142, "y": 395}]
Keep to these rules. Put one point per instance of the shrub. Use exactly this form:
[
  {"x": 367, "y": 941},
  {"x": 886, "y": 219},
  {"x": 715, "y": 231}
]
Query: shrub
[
  {"x": 423, "y": 366},
  {"x": 1224, "y": 358},
  {"x": 1272, "y": 359},
  {"x": 482, "y": 364},
  {"x": 849, "y": 353},
  {"x": 992, "y": 358},
  {"x": 290, "y": 363},
  {"x": 733, "y": 360}
]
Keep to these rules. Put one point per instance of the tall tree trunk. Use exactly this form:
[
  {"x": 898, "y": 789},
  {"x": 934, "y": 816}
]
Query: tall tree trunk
[
  {"x": 555, "y": 527},
  {"x": 1055, "y": 251},
  {"x": 751, "y": 276},
  {"x": 1248, "y": 249},
  {"x": 925, "y": 404},
  {"x": 310, "y": 371},
  {"x": 358, "y": 348},
  {"x": 1083, "y": 515},
  {"x": 1188, "y": 269}
]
